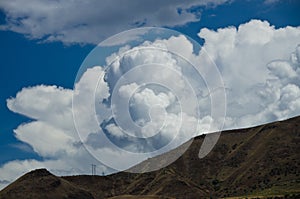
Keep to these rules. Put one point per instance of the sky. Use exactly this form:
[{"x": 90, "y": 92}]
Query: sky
[{"x": 50, "y": 55}]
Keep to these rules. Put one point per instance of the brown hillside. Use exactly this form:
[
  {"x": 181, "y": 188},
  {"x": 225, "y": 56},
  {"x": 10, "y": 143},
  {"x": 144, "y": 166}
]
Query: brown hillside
[
  {"x": 42, "y": 184},
  {"x": 261, "y": 161}
]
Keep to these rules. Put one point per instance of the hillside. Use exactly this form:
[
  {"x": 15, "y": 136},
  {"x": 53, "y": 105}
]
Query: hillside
[
  {"x": 262, "y": 161},
  {"x": 42, "y": 184}
]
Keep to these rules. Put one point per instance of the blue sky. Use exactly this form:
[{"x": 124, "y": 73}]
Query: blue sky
[{"x": 31, "y": 57}]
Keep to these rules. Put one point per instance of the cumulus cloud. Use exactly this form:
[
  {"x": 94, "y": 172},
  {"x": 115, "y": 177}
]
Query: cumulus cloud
[
  {"x": 259, "y": 65},
  {"x": 34, "y": 102},
  {"x": 93, "y": 21},
  {"x": 257, "y": 62},
  {"x": 50, "y": 108},
  {"x": 282, "y": 70},
  {"x": 52, "y": 133}
]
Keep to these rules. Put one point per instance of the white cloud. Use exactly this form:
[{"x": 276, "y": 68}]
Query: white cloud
[
  {"x": 86, "y": 94},
  {"x": 150, "y": 99},
  {"x": 23, "y": 147},
  {"x": 282, "y": 69},
  {"x": 52, "y": 134},
  {"x": 51, "y": 109},
  {"x": 128, "y": 90},
  {"x": 257, "y": 61},
  {"x": 35, "y": 101},
  {"x": 115, "y": 130},
  {"x": 261, "y": 76},
  {"x": 242, "y": 54},
  {"x": 93, "y": 21}
]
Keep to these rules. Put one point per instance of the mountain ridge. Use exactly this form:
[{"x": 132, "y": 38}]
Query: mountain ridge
[{"x": 261, "y": 161}]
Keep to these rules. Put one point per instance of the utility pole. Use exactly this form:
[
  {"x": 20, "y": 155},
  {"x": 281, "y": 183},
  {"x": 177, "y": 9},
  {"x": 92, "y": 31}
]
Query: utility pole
[{"x": 93, "y": 169}]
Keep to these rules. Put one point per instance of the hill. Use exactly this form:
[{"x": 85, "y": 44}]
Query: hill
[
  {"x": 262, "y": 161},
  {"x": 42, "y": 184}
]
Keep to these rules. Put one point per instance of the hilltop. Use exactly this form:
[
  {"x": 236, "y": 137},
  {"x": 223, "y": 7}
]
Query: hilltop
[{"x": 262, "y": 161}]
